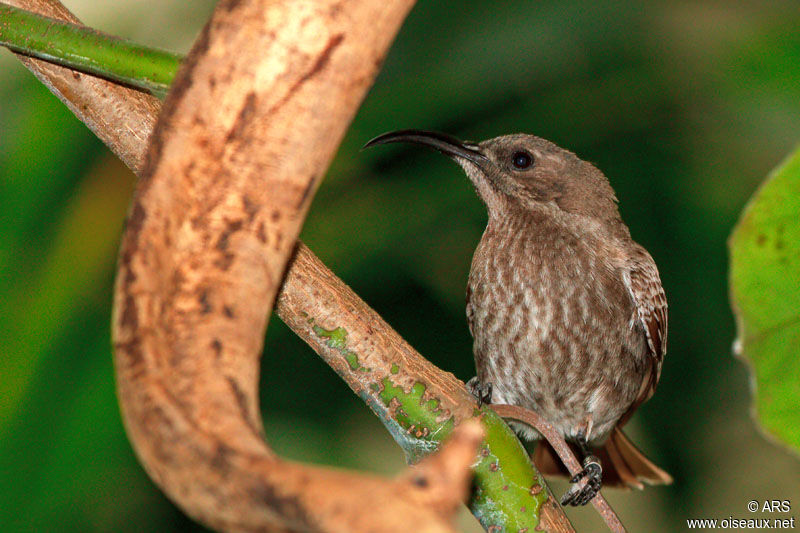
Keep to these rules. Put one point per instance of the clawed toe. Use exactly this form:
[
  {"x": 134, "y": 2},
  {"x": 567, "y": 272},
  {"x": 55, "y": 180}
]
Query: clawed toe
[
  {"x": 577, "y": 495},
  {"x": 481, "y": 391}
]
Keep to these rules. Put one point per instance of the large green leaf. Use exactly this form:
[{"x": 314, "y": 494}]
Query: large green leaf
[{"x": 765, "y": 289}]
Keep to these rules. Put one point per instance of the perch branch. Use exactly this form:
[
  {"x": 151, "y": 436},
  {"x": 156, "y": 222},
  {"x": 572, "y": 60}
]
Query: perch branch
[
  {"x": 564, "y": 452},
  {"x": 313, "y": 299}
]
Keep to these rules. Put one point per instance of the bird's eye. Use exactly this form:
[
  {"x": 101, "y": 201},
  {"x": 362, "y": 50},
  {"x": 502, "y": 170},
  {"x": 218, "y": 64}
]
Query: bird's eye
[{"x": 521, "y": 160}]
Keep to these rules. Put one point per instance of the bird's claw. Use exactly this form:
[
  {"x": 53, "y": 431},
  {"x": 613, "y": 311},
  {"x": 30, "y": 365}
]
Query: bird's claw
[
  {"x": 481, "y": 391},
  {"x": 578, "y": 495}
]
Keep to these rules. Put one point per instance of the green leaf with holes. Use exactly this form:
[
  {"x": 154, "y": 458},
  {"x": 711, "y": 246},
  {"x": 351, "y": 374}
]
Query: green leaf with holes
[{"x": 765, "y": 293}]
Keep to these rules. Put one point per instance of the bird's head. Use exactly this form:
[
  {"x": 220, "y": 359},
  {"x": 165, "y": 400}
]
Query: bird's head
[{"x": 522, "y": 173}]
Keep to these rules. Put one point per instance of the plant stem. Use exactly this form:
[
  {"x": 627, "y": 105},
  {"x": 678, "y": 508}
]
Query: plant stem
[
  {"x": 412, "y": 398},
  {"x": 87, "y": 50}
]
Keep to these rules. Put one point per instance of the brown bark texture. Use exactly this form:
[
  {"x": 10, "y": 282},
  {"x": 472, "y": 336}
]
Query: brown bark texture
[
  {"x": 250, "y": 126},
  {"x": 228, "y": 178}
]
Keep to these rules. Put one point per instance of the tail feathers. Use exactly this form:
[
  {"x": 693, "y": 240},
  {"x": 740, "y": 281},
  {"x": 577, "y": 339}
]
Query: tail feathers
[
  {"x": 623, "y": 464},
  {"x": 642, "y": 468}
]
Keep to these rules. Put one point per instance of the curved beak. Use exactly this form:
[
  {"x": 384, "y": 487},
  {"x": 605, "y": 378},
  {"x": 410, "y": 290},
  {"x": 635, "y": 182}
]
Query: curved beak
[{"x": 446, "y": 144}]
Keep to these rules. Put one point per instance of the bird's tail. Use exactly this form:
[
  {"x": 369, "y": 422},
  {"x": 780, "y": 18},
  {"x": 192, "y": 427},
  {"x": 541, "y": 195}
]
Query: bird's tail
[{"x": 623, "y": 464}]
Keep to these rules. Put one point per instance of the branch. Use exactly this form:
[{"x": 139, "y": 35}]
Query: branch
[
  {"x": 214, "y": 220},
  {"x": 564, "y": 452},
  {"x": 339, "y": 326}
]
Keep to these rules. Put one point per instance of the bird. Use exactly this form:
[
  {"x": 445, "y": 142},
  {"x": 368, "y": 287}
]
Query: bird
[{"x": 567, "y": 313}]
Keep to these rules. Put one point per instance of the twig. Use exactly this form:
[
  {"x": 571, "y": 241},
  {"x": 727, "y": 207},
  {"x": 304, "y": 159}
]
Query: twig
[
  {"x": 564, "y": 452},
  {"x": 87, "y": 50}
]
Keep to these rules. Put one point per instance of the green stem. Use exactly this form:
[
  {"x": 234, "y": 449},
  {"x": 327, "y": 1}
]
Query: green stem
[
  {"x": 87, "y": 50},
  {"x": 508, "y": 491}
]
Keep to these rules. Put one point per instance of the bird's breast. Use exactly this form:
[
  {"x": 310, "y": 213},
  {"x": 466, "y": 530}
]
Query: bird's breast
[
  {"x": 552, "y": 322},
  {"x": 536, "y": 285}
]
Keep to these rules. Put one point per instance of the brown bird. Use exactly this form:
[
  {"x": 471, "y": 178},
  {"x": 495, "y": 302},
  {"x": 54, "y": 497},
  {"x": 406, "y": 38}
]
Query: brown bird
[{"x": 567, "y": 312}]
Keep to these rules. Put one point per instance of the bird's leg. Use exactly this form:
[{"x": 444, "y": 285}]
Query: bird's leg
[
  {"x": 481, "y": 391},
  {"x": 592, "y": 471}
]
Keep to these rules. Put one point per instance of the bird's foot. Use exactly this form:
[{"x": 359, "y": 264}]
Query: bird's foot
[
  {"x": 481, "y": 391},
  {"x": 578, "y": 495}
]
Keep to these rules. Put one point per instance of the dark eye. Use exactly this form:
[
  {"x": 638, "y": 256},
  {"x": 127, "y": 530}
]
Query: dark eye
[{"x": 521, "y": 160}]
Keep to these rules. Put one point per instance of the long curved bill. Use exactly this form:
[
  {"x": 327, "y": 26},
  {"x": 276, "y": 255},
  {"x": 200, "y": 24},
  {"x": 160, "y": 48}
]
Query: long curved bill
[{"x": 442, "y": 142}]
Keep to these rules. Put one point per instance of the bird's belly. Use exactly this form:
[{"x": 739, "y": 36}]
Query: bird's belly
[{"x": 559, "y": 342}]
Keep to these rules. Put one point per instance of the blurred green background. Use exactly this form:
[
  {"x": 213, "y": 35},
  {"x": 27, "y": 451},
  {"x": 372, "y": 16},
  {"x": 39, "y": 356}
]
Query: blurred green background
[{"x": 686, "y": 106}]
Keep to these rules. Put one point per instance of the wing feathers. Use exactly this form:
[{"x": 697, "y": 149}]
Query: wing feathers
[{"x": 644, "y": 285}]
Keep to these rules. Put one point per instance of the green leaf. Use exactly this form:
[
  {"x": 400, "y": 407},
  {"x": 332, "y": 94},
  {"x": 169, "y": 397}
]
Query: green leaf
[{"x": 765, "y": 292}]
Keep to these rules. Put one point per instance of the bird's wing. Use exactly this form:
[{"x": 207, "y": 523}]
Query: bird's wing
[
  {"x": 470, "y": 312},
  {"x": 644, "y": 285}
]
